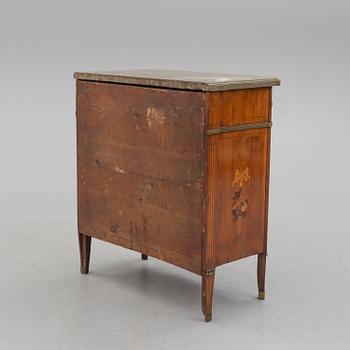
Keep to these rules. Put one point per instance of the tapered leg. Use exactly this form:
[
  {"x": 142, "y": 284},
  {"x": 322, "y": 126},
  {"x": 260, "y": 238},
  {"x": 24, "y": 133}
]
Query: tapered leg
[
  {"x": 261, "y": 275},
  {"x": 144, "y": 256},
  {"x": 207, "y": 293},
  {"x": 85, "y": 247}
]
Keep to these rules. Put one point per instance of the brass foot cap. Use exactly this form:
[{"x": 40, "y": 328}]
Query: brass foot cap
[
  {"x": 207, "y": 317},
  {"x": 84, "y": 270},
  {"x": 261, "y": 296}
]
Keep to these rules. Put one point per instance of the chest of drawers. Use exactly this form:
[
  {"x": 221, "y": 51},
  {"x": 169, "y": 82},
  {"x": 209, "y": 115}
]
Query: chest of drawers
[{"x": 175, "y": 165}]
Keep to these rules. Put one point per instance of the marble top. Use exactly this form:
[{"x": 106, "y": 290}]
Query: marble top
[{"x": 185, "y": 80}]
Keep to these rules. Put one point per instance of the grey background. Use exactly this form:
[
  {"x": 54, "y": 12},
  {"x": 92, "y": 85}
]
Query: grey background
[{"x": 129, "y": 304}]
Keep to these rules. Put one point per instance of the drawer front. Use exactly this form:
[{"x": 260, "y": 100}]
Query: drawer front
[{"x": 239, "y": 107}]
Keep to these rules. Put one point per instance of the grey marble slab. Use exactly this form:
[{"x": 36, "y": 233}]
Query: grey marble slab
[{"x": 176, "y": 79}]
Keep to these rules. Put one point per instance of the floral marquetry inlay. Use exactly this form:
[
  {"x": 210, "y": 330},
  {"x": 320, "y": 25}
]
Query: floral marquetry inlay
[{"x": 240, "y": 198}]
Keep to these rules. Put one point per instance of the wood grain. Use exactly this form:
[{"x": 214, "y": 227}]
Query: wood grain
[
  {"x": 236, "y": 191},
  {"x": 141, "y": 161},
  {"x": 238, "y": 107}
]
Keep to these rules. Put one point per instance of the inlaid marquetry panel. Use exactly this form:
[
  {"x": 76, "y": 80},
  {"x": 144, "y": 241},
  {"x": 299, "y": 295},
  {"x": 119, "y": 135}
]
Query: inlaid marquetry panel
[{"x": 237, "y": 172}]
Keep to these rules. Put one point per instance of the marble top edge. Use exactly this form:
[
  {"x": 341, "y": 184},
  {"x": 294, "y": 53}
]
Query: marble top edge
[{"x": 177, "y": 79}]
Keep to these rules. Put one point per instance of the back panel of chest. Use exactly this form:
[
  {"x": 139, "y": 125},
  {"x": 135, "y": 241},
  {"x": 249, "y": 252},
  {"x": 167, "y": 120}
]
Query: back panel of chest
[{"x": 141, "y": 169}]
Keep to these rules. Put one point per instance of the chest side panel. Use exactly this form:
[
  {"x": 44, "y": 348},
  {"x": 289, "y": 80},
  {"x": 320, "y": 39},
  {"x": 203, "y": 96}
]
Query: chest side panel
[
  {"x": 237, "y": 172},
  {"x": 141, "y": 159}
]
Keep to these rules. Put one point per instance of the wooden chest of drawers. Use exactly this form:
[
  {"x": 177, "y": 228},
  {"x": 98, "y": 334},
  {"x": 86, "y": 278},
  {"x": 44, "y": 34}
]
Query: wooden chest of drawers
[{"x": 175, "y": 165}]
